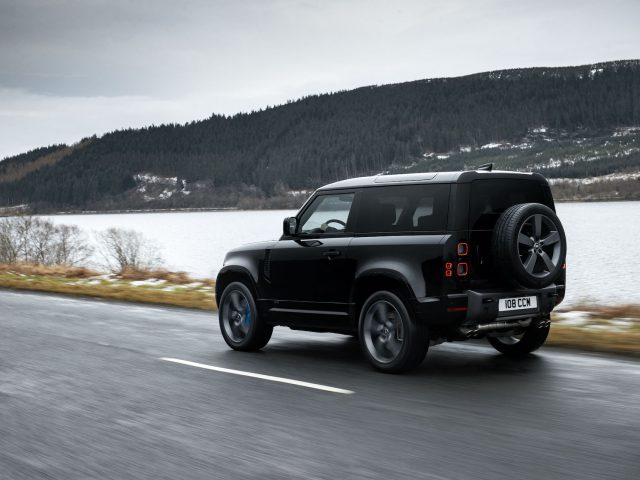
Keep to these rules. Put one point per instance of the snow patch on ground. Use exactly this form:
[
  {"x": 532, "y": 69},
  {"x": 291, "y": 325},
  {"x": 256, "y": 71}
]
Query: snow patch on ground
[
  {"x": 622, "y": 322},
  {"x": 598, "y": 327},
  {"x": 150, "y": 282},
  {"x": 603, "y": 178},
  {"x": 297, "y": 193},
  {"x": 156, "y": 187},
  {"x": 150, "y": 178},
  {"x": 575, "y": 318},
  {"x": 624, "y": 131}
]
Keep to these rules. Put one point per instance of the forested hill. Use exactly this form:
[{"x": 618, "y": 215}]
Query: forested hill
[{"x": 550, "y": 119}]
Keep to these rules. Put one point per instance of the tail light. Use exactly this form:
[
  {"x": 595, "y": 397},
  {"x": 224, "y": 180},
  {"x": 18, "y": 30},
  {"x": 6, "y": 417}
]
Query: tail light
[
  {"x": 462, "y": 270},
  {"x": 461, "y": 267},
  {"x": 448, "y": 269}
]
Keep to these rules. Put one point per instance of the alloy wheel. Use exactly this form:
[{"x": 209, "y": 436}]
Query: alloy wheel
[
  {"x": 236, "y": 315},
  {"x": 383, "y": 331},
  {"x": 539, "y": 245}
]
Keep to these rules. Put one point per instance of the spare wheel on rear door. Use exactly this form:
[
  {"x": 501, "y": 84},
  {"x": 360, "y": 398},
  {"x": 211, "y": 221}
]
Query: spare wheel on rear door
[{"x": 529, "y": 245}]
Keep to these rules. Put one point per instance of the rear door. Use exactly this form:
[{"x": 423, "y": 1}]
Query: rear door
[{"x": 488, "y": 199}]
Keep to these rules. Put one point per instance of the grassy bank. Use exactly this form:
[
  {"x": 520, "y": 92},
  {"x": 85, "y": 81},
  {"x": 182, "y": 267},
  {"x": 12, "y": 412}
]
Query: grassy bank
[
  {"x": 612, "y": 329},
  {"x": 159, "y": 287}
]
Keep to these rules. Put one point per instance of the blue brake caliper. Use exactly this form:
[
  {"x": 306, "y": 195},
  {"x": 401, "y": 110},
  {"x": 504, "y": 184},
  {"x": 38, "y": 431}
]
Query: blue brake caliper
[{"x": 247, "y": 317}]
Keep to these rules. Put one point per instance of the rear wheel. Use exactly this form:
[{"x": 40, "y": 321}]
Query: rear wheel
[
  {"x": 389, "y": 336},
  {"x": 240, "y": 324},
  {"x": 519, "y": 345}
]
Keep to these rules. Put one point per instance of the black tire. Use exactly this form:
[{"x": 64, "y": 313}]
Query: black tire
[
  {"x": 408, "y": 338},
  {"x": 240, "y": 324},
  {"x": 529, "y": 245},
  {"x": 532, "y": 339}
]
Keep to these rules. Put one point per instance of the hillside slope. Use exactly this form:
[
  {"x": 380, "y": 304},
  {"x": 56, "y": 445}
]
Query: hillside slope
[{"x": 567, "y": 122}]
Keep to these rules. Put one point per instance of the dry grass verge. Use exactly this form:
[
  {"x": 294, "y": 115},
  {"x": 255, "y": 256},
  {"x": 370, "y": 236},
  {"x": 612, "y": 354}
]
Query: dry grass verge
[
  {"x": 599, "y": 328},
  {"x": 177, "y": 278},
  {"x": 63, "y": 271},
  {"x": 175, "y": 289}
]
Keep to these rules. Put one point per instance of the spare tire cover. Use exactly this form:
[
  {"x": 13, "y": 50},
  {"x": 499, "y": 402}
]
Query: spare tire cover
[{"x": 529, "y": 245}]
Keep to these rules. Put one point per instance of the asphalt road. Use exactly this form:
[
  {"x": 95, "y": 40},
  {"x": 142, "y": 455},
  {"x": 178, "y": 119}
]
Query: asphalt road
[{"x": 84, "y": 393}]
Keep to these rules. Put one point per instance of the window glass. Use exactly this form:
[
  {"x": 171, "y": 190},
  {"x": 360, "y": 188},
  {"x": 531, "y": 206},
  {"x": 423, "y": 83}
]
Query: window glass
[
  {"x": 489, "y": 198},
  {"x": 407, "y": 208},
  {"x": 327, "y": 214},
  {"x": 424, "y": 209}
]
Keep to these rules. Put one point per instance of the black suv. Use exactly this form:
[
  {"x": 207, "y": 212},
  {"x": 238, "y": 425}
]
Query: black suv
[{"x": 404, "y": 262}]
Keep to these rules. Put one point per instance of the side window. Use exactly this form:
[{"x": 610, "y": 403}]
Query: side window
[
  {"x": 407, "y": 208},
  {"x": 423, "y": 210},
  {"x": 327, "y": 214}
]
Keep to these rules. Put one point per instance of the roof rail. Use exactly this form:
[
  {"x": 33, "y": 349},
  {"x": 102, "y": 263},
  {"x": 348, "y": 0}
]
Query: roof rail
[{"x": 485, "y": 166}]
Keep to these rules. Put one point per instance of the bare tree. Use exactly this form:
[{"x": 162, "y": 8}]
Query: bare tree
[
  {"x": 70, "y": 246},
  {"x": 22, "y": 227},
  {"x": 121, "y": 249},
  {"x": 9, "y": 242},
  {"x": 15, "y": 239},
  {"x": 38, "y": 241}
]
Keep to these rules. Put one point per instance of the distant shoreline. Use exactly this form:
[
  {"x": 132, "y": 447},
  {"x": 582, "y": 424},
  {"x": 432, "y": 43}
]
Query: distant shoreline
[
  {"x": 596, "y": 200},
  {"x": 151, "y": 210},
  {"x": 4, "y": 213}
]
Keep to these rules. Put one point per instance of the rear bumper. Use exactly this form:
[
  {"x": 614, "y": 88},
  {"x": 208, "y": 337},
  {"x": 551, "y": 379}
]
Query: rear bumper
[
  {"x": 473, "y": 307},
  {"x": 482, "y": 306}
]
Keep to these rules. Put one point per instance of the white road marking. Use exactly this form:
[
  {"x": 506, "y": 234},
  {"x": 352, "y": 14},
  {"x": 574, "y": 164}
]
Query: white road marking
[{"x": 261, "y": 376}]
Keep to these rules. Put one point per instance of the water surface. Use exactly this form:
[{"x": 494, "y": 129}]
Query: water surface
[{"x": 603, "y": 262}]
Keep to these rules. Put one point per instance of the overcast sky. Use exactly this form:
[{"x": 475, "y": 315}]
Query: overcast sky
[{"x": 72, "y": 68}]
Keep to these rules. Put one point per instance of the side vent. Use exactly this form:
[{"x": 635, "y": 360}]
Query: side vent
[{"x": 266, "y": 268}]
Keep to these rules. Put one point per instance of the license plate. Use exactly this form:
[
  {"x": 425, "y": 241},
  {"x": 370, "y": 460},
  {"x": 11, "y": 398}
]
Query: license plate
[{"x": 517, "y": 303}]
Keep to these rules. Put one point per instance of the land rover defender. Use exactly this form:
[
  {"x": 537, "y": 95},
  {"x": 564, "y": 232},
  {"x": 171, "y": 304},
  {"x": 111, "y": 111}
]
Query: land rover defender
[{"x": 404, "y": 262}]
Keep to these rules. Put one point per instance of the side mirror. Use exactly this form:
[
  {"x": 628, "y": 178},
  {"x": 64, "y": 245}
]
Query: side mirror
[{"x": 289, "y": 226}]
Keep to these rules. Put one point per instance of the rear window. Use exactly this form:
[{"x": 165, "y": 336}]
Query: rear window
[
  {"x": 489, "y": 198},
  {"x": 407, "y": 208}
]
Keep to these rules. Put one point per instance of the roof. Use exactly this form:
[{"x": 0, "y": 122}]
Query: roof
[{"x": 430, "y": 177}]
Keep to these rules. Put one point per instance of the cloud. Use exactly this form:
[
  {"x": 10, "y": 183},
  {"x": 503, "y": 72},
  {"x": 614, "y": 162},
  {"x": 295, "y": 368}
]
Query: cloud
[
  {"x": 30, "y": 120},
  {"x": 70, "y": 68}
]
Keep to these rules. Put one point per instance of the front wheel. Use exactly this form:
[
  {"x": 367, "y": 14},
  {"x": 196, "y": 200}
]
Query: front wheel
[
  {"x": 389, "y": 336},
  {"x": 240, "y": 324},
  {"x": 519, "y": 345}
]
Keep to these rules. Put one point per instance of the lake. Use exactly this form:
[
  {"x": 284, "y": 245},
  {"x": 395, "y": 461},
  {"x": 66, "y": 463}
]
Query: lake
[{"x": 603, "y": 261}]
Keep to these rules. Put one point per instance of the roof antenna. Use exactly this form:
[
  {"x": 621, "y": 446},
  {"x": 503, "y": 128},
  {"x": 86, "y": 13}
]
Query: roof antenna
[{"x": 485, "y": 166}]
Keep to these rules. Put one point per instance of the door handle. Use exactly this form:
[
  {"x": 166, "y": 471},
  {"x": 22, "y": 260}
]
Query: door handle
[{"x": 331, "y": 254}]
